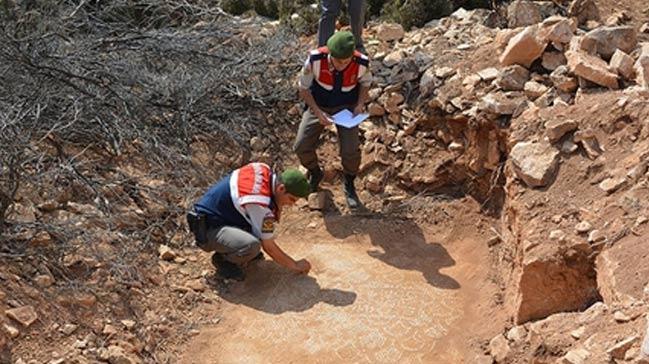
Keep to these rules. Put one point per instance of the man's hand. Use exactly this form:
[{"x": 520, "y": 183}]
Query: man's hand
[
  {"x": 323, "y": 117},
  {"x": 302, "y": 266},
  {"x": 359, "y": 109}
]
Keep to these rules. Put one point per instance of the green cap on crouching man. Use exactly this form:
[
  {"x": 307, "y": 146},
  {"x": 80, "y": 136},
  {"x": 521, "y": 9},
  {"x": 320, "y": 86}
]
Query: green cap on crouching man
[
  {"x": 295, "y": 183},
  {"x": 341, "y": 45}
]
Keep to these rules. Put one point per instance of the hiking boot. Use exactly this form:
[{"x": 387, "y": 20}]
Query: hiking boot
[
  {"x": 315, "y": 177},
  {"x": 227, "y": 270},
  {"x": 350, "y": 192}
]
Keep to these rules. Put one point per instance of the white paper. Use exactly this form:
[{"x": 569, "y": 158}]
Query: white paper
[{"x": 347, "y": 119}]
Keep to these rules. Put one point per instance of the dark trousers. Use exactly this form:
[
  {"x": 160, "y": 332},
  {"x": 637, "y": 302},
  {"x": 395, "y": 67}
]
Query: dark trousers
[
  {"x": 306, "y": 143},
  {"x": 330, "y": 11},
  {"x": 235, "y": 245}
]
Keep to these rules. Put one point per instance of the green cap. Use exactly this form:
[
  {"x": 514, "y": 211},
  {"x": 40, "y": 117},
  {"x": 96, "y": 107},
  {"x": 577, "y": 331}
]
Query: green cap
[
  {"x": 295, "y": 183},
  {"x": 341, "y": 45}
]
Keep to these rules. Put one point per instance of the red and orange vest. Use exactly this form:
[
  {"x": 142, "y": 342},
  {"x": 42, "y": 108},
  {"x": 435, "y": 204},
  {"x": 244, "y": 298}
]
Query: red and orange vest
[{"x": 332, "y": 88}]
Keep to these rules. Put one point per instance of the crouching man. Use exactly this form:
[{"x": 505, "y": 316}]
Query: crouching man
[{"x": 236, "y": 218}]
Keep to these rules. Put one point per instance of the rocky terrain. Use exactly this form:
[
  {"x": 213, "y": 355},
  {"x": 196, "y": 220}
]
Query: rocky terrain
[{"x": 539, "y": 112}]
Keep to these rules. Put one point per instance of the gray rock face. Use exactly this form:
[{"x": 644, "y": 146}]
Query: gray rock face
[{"x": 535, "y": 163}]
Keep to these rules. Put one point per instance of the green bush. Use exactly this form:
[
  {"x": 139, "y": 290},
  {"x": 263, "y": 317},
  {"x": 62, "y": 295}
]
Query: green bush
[{"x": 416, "y": 13}]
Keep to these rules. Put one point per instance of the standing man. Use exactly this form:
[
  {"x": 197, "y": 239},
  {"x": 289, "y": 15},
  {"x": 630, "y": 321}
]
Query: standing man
[
  {"x": 333, "y": 78},
  {"x": 237, "y": 216},
  {"x": 330, "y": 11}
]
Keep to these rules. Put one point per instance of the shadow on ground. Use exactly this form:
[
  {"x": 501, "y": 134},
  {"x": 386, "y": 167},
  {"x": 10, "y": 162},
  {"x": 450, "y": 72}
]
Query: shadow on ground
[
  {"x": 273, "y": 289},
  {"x": 402, "y": 243}
]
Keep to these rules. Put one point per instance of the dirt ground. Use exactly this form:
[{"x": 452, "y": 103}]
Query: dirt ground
[{"x": 382, "y": 289}]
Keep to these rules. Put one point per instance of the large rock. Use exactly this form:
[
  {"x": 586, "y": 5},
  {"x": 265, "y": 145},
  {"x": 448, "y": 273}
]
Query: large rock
[
  {"x": 605, "y": 40},
  {"x": 553, "y": 278},
  {"x": 592, "y": 69},
  {"x": 389, "y": 32},
  {"x": 533, "y": 89},
  {"x": 621, "y": 274},
  {"x": 642, "y": 66},
  {"x": 553, "y": 60},
  {"x": 429, "y": 81},
  {"x": 391, "y": 101},
  {"x": 557, "y": 30},
  {"x": 499, "y": 349},
  {"x": 562, "y": 80},
  {"x": 512, "y": 78},
  {"x": 25, "y": 315},
  {"x": 500, "y": 103},
  {"x": 618, "y": 350},
  {"x": 622, "y": 63},
  {"x": 535, "y": 163},
  {"x": 522, "y": 13},
  {"x": 117, "y": 355},
  {"x": 575, "y": 356},
  {"x": 583, "y": 10},
  {"x": 524, "y": 48},
  {"x": 555, "y": 129},
  {"x": 393, "y": 58}
]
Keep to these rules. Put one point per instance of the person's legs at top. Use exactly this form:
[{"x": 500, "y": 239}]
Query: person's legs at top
[
  {"x": 327, "y": 24},
  {"x": 306, "y": 143},
  {"x": 350, "y": 154},
  {"x": 357, "y": 19}
]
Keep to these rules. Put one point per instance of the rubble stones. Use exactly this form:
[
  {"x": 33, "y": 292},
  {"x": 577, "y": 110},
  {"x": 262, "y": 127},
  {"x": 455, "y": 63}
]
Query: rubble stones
[
  {"x": 583, "y": 10},
  {"x": 11, "y": 331},
  {"x": 25, "y": 315},
  {"x": 444, "y": 72},
  {"x": 499, "y": 349},
  {"x": 583, "y": 227},
  {"x": 605, "y": 40},
  {"x": 523, "y": 49},
  {"x": 555, "y": 129},
  {"x": 534, "y": 89},
  {"x": 512, "y": 78},
  {"x": 257, "y": 144},
  {"x": 618, "y": 350},
  {"x": 488, "y": 74},
  {"x": 318, "y": 201},
  {"x": 522, "y": 13},
  {"x": 575, "y": 356},
  {"x": 596, "y": 236},
  {"x": 499, "y": 104},
  {"x": 592, "y": 69},
  {"x": 642, "y": 66},
  {"x": 69, "y": 329},
  {"x": 612, "y": 184},
  {"x": 393, "y": 58},
  {"x": 166, "y": 253},
  {"x": 44, "y": 280},
  {"x": 375, "y": 109},
  {"x": 391, "y": 102},
  {"x": 644, "y": 28},
  {"x": 390, "y": 31},
  {"x": 622, "y": 63},
  {"x": 517, "y": 333},
  {"x": 429, "y": 81},
  {"x": 562, "y": 80},
  {"x": 117, "y": 355},
  {"x": 535, "y": 163},
  {"x": 552, "y": 60},
  {"x": 620, "y": 317},
  {"x": 558, "y": 30}
]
